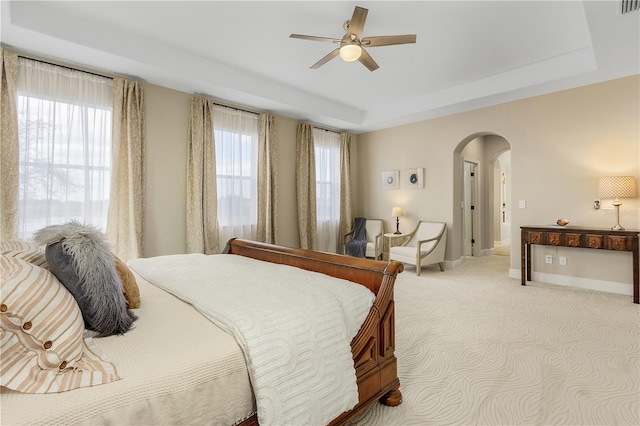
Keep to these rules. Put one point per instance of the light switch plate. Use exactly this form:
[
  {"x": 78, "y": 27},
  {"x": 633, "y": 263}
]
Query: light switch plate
[
  {"x": 522, "y": 204},
  {"x": 548, "y": 258}
]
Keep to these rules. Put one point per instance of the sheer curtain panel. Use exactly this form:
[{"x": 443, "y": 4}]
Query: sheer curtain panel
[
  {"x": 64, "y": 120},
  {"x": 236, "y": 140},
  {"x": 327, "y": 155},
  {"x": 9, "y": 145}
]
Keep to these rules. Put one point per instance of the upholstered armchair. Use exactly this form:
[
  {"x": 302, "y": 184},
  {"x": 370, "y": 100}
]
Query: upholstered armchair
[
  {"x": 425, "y": 246},
  {"x": 374, "y": 228}
]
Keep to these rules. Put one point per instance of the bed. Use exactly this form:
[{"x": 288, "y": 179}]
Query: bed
[{"x": 172, "y": 375}]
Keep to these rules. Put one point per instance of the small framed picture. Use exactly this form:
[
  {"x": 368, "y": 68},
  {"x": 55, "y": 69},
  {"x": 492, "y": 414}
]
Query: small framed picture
[
  {"x": 390, "y": 179},
  {"x": 414, "y": 178}
]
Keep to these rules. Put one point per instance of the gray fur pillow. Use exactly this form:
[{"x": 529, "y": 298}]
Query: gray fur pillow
[{"x": 80, "y": 257}]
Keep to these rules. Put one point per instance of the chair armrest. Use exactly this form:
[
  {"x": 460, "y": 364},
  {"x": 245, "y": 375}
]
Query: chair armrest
[
  {"x": 378, "y": 241},
  {"x": 428, "y": 239}
]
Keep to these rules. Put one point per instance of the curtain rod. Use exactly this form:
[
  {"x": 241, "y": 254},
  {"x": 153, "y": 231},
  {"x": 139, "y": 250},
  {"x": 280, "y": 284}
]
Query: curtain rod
[
  {"x": 326, "y": 129},
  {"x": 220, "y": 102},
  {"x": 64, "y": 66},
  {"x": 236, "y": 109}
]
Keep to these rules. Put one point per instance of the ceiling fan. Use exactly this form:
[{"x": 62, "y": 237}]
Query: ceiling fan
[{"x": 352, "y": 44}]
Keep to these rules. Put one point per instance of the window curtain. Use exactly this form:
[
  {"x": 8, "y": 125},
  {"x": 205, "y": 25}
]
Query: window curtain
[
  {"x": 236, "y": 148},
  {"x": 9, "y": 145},
  {"x": 202, "y": 199},
  {"x": 125, "y": 221},
  {"x": 327, "y": 153},
  {"x": 346, "y": 213},
  {"x": 306, "y": 186},
  {"x": 267, "y": 180},
  {"x": 64, "y": 146}
]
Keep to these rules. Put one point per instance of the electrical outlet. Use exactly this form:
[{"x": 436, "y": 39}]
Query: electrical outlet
[
  {"x": 548, "y": 258},
  {"x": 562, "y": 260}
]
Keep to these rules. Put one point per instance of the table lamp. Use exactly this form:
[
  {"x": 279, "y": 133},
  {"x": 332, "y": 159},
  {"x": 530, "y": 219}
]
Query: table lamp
[
  {"x": 397, "y": 212},
  {"x": 617, "y": 187}
]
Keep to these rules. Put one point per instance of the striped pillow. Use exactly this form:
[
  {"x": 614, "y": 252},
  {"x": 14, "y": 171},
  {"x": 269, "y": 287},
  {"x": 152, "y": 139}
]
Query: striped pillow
[
  {"x": 23, "y": 250},
  {"x": 42, "y": 349}
]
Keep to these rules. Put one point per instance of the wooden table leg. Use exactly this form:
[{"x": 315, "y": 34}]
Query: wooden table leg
[
  {"x": 636, "y": 274},
  {"x": 523, "y": 255}
]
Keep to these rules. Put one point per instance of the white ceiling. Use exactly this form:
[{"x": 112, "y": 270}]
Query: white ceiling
[{"x": 468, "y": 54}]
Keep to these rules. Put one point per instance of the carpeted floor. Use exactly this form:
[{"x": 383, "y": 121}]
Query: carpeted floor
[{"x": 475, "y": 347}]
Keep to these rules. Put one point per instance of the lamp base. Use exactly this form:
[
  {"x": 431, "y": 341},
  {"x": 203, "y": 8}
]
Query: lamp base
[
  {"x": 397, "y": 226},
  {"x": 617, "y": 226}
]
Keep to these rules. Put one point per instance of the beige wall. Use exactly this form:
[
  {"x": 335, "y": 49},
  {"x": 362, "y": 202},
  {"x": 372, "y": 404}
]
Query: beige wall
[
  {"x": 166, "y": 173},
  {"x": 166, "y": 170},
  {"x": 561, "y": 144}
]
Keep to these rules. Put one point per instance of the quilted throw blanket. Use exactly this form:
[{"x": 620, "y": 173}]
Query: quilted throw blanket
[{"x": 294, "y": 326}]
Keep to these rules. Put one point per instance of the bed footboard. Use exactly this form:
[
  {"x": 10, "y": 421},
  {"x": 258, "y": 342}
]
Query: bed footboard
[{"x": 374, "y": 345}]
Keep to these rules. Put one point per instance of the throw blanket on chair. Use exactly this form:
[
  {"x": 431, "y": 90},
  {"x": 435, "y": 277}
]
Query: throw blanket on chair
[{"x": 357, "y": 247}]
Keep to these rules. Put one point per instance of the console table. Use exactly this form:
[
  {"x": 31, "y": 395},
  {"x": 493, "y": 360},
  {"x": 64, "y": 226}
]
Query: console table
[{"x": 573, "y": 236}]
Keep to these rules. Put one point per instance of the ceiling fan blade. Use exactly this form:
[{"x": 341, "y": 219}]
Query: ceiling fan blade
[
  {"x": 314, "y": 38},
  {"x": 356, "y": 24},
  {"x": 368, "y": 61},
  {"x": 326, "y": 59},
  {"x": 388, "y": 40}
]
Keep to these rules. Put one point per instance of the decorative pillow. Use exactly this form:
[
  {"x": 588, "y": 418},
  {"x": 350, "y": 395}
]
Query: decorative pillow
[
  {"x": 129, "y": 284},
  {"x": 79, "y": 256},
  {"x": 41, "y": 345},
  {"x": 23, "y": 250}
]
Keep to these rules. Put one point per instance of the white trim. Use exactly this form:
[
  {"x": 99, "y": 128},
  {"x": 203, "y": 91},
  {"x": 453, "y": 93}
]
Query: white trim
[
  {"x": 586, "y": 283},
  {"x": 488, "y": 252},
  {"x": 452, "y": 264}
]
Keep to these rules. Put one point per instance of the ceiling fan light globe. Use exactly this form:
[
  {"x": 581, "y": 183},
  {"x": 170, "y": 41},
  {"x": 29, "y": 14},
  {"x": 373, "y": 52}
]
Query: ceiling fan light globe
[{"x": 350, "y": 52}]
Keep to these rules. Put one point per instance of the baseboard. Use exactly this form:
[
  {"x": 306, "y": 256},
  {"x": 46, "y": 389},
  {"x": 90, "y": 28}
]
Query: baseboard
[
  {"x": 488, "y": 252},
  {"x": 586, "y": 283},
  {"x": 452, "y": 264}
]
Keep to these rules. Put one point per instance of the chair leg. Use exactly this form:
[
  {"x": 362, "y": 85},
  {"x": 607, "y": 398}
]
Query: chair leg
[
  {"x": 418, "y": 268},
  {"x": 441, "y": 266}
]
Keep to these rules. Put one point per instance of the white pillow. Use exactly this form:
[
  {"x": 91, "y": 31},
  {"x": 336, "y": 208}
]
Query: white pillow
[
  {"x": 42, "y": 348},
  {"x": 24, "y": 250}
]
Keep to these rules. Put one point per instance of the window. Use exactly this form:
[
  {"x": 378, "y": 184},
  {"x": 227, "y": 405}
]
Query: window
[
  {"x": 64, "y": 125},
  {"x": 236, "y": 140},
  {"x": 327, "y": 153}
]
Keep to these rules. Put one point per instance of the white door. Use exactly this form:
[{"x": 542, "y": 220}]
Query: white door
[{"x": 470, "y": 226}]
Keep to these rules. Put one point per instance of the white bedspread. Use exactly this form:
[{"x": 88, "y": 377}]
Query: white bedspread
[{"x": 295, "y": 328}]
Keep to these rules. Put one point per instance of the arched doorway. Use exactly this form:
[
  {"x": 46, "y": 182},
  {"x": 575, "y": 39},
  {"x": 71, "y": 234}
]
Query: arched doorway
[{"x": 478, "y": 198}]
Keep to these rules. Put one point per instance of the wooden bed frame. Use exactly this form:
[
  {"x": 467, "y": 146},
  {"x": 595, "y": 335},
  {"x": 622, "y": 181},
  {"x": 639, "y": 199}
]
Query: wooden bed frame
[{"x": 374, "y": 345}]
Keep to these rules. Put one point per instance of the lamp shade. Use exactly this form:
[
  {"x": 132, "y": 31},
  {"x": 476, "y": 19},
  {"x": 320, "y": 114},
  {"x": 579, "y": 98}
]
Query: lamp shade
[
  {"x": 617, "y": 187},
  {"x": 350, "y": 52},
  {"x": 397, "y": 211}
]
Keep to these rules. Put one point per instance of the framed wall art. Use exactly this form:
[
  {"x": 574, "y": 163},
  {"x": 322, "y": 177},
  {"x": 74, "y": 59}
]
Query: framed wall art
[
  {"x": 414, "y": 178},
  {"x": 390, "y": 179}
]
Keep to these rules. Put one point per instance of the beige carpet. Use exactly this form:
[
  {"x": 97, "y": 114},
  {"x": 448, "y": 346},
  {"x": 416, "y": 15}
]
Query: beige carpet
[{"x": 475, "y": 347}]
